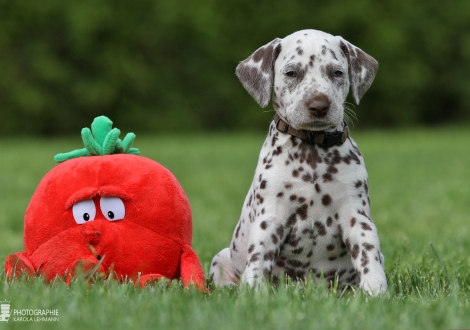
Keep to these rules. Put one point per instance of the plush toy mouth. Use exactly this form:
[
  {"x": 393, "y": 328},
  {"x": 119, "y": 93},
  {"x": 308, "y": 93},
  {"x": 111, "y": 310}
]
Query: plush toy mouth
[{"x": 93, "y": 251}]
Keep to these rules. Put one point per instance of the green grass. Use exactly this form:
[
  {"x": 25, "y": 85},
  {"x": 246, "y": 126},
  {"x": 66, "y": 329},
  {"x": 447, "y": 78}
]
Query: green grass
[{"x": 420, "y": 195}]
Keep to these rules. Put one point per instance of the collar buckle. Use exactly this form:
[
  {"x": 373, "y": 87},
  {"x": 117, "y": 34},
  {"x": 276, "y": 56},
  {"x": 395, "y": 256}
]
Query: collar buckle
[{"x": 281, "y": 125}]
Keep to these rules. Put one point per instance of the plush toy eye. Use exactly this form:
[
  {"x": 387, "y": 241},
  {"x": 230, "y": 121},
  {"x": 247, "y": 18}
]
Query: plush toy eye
[
  {"x": 113, "y": 208},
  {"x": 84, "y": 211}
]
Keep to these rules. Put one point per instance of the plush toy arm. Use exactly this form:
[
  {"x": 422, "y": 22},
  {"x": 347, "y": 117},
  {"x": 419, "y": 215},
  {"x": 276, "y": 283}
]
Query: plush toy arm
[
  {"x": 191, "y": 269},
  {"x": 18, "y": 264}
]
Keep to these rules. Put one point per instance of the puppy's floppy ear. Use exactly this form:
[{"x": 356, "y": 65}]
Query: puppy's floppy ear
[
  {"x": 257, "y": 72},
  {"x": 362, "y": 68}
]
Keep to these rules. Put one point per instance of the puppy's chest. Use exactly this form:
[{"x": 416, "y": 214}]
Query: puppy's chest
[
  {"x": 304, "y": 187},
  {"x": 290, "y": 167}
]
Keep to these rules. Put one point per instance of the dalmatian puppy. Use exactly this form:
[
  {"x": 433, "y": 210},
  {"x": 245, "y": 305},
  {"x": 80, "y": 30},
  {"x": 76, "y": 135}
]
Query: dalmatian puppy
[{"x": 307, "y": 211}]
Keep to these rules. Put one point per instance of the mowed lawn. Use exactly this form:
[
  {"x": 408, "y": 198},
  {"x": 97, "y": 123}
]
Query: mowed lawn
[{"x": 420, "y": 201}]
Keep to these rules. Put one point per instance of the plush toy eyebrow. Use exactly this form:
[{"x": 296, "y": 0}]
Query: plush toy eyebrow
[
  {"x": 81, "y": 195},
  {"x": 101, "y": 140},
  {"x": 90, "y": 193},
  {"x": 113, "y": 191}
]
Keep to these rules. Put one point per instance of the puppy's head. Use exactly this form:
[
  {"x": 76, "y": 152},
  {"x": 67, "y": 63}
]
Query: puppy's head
[{"x": 309, "y": 73}]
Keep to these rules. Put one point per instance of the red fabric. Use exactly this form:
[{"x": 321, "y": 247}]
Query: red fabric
[
  {"x": 18, "y": 264},
  {"x": 191, "y": 270},
  {"x": 154, "y": 238}
]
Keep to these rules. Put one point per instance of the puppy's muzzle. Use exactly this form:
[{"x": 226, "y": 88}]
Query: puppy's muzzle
[{"x": 318, "y": 105}]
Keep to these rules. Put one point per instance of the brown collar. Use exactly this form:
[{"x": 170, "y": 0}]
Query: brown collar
[{"x": 322, "y": 139}]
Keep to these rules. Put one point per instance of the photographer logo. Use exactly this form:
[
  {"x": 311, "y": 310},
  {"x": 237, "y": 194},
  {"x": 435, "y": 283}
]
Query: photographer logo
[
  {"x": 26, "y": 315},
  {"x": 5, "y": 311}
]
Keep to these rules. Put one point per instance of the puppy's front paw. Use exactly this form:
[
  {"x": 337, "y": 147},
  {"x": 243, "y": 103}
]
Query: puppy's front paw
[
  {"x": 374, "y": 286},
  {"x": 254, "y": 280}
]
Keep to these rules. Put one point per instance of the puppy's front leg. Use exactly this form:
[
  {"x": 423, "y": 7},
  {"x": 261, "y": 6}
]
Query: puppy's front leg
[
  {"x": 362, "y": 241},
  {"x": 266, "y": 236}
]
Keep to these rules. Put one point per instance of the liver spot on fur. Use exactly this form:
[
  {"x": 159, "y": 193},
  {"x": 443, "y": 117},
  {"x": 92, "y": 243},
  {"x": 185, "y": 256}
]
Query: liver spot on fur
[
  {"x": 326, "y": 200},
  {"x": 263, "y": 184},
  {"x": 320, "y": 227}
]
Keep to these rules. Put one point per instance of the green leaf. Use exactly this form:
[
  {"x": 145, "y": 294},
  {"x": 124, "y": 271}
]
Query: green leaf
[
  {"x": 110, "y": 141},
  {"x": 94, "y": 149},
  {"x": 102, "y": 139}
]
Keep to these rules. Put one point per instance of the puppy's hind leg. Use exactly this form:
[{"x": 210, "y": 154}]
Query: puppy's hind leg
[{"x": 222, "y": 271}]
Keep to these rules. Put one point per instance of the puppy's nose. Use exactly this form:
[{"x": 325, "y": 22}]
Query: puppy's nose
[{"x": 319, "y": 105}]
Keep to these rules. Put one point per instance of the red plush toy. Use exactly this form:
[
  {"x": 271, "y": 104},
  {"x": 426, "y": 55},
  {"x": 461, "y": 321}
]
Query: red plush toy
[{"x": 113, "y": 212}]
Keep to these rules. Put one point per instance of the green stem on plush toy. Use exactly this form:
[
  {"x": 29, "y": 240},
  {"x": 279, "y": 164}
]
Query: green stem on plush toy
[{"x": 101, "y": 140}]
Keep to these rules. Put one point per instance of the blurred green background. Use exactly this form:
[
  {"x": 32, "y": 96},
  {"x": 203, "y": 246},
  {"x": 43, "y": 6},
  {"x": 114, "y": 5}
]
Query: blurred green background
[{"x": 168, "y": 65}]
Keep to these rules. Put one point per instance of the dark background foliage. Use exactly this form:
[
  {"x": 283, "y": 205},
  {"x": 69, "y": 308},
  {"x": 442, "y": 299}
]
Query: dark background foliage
[{"x": 168, "y": 65}]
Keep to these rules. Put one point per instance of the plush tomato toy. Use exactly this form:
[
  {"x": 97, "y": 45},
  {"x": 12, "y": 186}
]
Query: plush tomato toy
[{"x": 106, "y": 209}]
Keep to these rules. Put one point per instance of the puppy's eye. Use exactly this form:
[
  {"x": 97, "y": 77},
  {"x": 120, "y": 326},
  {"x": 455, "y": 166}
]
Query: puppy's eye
[
  {"x": 337, "y": 73},
  {"x": 291, "y": 73}
]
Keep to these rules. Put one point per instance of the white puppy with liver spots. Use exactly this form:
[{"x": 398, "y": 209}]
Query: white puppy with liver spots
[{"x": 307, "y": 211}]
